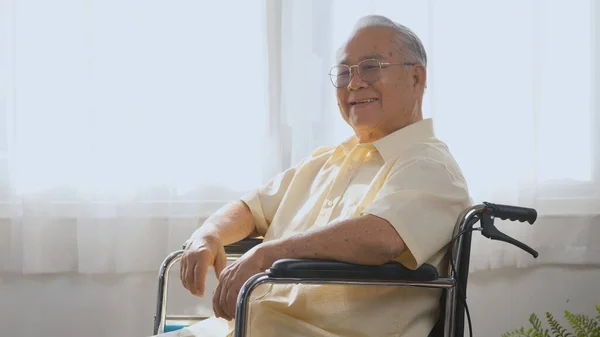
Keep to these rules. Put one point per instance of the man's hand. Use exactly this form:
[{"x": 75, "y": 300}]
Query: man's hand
[
  {"x": 233, "y": 277},
  {"x": 201, "y": 251}
]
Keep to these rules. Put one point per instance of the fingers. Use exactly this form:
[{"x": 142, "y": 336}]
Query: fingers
[
  {"x": 222, "y": 291},
  {"x": 223, "y": 301},
  {"x": 183, "y": 265},
  {"x": 199, "y": 281},
  {"x": 230, "y": 302},
  {"x": 183, "y": 271},
  {"x": 194, "y": 266},
  {"x": 189, "y": 276},
  {"x": 216, "y": 300},
  {"x": 220, "y": 264}
]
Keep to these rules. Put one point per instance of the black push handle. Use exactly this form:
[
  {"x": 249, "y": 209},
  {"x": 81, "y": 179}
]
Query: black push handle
[{"x": 513, "y": 213}]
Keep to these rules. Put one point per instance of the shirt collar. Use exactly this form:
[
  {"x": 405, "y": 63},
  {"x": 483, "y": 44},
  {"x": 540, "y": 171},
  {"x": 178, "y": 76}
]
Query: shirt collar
[
  {"x": 349, "y": 144},
  {"x": 391, "y": 146}
]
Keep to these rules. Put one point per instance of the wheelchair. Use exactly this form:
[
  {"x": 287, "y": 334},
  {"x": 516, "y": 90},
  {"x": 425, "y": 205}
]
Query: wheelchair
[{"x": 453, "y": 305}]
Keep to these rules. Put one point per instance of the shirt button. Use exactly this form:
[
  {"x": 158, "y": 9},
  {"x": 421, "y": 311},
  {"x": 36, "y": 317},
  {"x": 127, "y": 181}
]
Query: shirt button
[
  {"x": 329, "y": 203},
  {"x": 350, "y": 168}
]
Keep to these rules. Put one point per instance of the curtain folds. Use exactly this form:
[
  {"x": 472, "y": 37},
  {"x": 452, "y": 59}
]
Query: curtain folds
[{"x": 125, "y": 124}]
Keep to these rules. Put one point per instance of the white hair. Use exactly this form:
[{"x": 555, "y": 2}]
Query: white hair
[{"x": 408, "y": 42}]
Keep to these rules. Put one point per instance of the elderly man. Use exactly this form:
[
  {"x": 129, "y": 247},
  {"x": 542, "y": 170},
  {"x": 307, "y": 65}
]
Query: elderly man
[{"x": 392, "y": 192}]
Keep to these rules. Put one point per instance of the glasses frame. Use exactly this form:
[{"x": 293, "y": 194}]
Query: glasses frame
[{"x": 381, "y": 66}]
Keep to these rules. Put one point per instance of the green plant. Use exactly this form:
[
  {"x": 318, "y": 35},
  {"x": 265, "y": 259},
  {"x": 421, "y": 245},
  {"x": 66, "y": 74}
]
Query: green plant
[{"x": 581, "y": 326}]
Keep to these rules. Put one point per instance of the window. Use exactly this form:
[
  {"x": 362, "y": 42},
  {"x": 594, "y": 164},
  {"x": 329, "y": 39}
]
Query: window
[
  {"x": 567, "y": 113},
  {"x": 510, "y": 88},
  {"x": 143, "y": 99}
]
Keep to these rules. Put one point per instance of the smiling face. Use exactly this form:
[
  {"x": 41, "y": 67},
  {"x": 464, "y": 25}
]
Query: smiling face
[{"x": 375, "y": 109}]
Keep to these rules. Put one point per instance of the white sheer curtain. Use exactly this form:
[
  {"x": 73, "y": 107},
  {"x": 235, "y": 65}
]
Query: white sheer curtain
[
  {"x": 125, "y": 122},
  {"x": 511, "y": 89}
]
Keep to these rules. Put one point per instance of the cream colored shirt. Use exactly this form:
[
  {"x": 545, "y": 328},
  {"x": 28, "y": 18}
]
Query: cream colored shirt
[{"x": 408, "y": 178}]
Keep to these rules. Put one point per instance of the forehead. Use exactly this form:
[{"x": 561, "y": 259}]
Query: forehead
[{"x": 371, "y": 42}]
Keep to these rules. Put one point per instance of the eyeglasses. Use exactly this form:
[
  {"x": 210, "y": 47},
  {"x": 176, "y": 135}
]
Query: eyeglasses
[{"x": 369, "y": 71}]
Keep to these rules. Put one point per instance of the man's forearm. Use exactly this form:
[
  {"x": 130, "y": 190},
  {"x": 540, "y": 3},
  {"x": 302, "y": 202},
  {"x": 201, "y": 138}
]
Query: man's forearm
[
  {"x": 231, "y": 223},
  {"x": 367, "y": 240}
]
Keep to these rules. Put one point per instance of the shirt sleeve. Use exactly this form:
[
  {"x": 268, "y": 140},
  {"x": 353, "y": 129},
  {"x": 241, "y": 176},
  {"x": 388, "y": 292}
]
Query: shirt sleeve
[
  {"x": 422, "y": 200},
  {"x": 265, "y": 200}
]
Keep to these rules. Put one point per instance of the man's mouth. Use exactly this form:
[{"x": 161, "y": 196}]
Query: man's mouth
[{"x": 362, "y": 101}]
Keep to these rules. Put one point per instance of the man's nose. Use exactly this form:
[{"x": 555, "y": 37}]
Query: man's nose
[{"x": 355, "y": 81}]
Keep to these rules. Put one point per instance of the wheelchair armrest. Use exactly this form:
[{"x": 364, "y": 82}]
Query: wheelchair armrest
[
  {"x": 321, "y": 269},
  {"x": 241, "y": 247}
]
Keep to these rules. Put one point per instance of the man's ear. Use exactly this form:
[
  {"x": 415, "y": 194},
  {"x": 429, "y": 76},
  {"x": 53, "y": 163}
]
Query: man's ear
[{"x": 419, "y": 76}]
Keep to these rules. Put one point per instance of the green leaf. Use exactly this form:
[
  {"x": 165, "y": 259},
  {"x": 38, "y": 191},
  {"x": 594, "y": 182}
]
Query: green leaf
[
  {"x": 557, "y": 329},
  {"x": 576, "y": 324},
  {"x": 589, "y": 325},
  {"x": 581, "y": 325},
  {"x": 537, "y": 325}
]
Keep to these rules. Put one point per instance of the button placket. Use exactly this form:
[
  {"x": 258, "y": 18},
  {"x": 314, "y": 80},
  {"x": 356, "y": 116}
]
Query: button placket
[{"x": 341, "y": 182}]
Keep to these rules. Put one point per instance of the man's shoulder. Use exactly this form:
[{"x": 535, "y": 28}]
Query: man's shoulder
[
  {"x": 433, "y": 151},
  {"x": 431, "y": 166}
]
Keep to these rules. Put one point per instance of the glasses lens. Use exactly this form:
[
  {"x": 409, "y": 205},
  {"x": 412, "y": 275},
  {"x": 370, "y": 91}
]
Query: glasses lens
[
  {"x": 340, "y": 76},
  {"x": 369, "y": 70}
]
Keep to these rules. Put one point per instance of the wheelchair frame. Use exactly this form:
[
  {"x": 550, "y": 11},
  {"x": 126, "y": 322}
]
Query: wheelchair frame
[{"x": 305, "y": 271}]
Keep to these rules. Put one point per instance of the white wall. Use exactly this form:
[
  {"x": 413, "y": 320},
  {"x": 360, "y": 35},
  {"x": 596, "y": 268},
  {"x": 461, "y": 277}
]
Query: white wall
[
  {"x": 123, "y": 306},
  {"x": 502, "y": 300}
]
